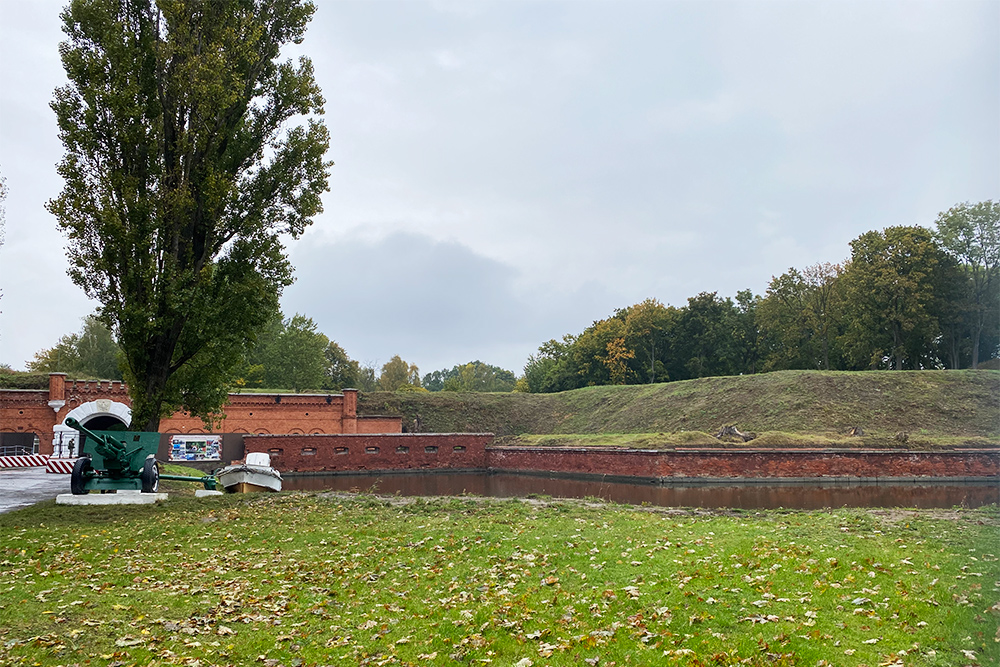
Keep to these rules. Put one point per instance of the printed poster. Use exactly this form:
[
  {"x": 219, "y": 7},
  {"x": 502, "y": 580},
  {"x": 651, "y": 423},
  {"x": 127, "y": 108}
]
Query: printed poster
[{"x": 200, "y": 447}]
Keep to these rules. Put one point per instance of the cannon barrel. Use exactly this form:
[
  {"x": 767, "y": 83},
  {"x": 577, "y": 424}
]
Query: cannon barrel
[
  {"x": 106, "y": 441},
  {"x": 77, "y": 426},
  {"x": 106, "y": 446}
]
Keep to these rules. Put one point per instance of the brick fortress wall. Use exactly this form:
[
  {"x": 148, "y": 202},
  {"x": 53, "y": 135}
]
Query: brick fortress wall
[
  {"x": 747, "y": 464},
  {"x": 408, "y": 451},
  {"x": 39, "y": 411},
  {"x": 365, "y": 452}
]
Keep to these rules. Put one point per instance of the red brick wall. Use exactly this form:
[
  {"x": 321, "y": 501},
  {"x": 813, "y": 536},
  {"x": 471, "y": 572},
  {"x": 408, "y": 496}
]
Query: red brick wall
[
  {"x": 38, "y": 411},
  {"x": 393, "y": 451},
  {"x": 26, "y": 411},
  {"x": 747, "y": 463},
  {"x": 373, "y": 424}
]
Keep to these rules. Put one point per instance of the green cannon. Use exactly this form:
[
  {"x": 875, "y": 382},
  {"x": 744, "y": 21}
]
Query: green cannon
[{"x": 120, "y": 460}]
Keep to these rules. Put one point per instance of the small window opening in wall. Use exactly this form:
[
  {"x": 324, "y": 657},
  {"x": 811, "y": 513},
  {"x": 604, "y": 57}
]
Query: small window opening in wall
[
  {"x": 275, "y": 451},
  {"x": 459, "y": 448},
  {"x": 307, "y": 414},
  {"x": 402, "y": 449},
  {"x": 308, "y": 451},
  {"x": 20, "y": 412},
  {"x": 251, "y": 414},
  {"x": 431, "y": 449},
  {"x": 340, "y": 450},
  {"x": 371, "y": 450}
]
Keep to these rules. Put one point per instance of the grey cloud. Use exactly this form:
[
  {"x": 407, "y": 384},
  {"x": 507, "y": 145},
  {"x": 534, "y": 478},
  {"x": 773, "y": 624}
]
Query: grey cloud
[{"x": 436, "y": 303}]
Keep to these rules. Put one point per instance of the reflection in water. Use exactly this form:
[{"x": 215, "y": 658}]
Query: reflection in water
[{"x": 744, "y": 496}]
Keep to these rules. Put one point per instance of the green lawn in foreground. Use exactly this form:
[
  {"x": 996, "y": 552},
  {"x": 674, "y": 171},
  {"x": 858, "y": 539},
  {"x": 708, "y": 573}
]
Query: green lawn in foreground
[{"x": 308, "y": 579}]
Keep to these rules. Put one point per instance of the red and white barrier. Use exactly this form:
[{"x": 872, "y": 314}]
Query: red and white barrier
[
  {"x": 61, "y": 466},
  {"x": 26, "y": 461}
]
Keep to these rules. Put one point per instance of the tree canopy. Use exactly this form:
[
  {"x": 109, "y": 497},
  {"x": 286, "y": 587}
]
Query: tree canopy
[
  {"x": 398, "y": 374},
  {"x": 907, "y": 298},
  {"x": 291, "y": 353},
  {"x": 92, "y": 353},
  {"x": 473, "y": 376},
  {"x": 184, "y": 163},
  {"x": 971, "y": 234}
]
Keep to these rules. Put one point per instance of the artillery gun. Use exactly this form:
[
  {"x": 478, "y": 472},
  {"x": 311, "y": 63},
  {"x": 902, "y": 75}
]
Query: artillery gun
[{"x": 120, "y": 460}]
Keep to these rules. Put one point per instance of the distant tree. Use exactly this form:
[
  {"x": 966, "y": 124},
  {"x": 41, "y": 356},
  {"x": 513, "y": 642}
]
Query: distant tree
[
  {"x": 800, "y": 318},
  {"x": 824, "y": 307},
  {"x": 553, "y": 367},
  {"x": 971, "y": 234},
  {"x": 434, "y": 381},
  {"x": 890, "y": 300},
  {"x": 396, "y": 373},
  {"x": 705, "y": 337},
  {"x": 477, "y": 376},
  {"x": 91, "y": 353},
  {"x": 368, "y": 378},
  {"x": 616, "y": 360},
  {"x": 783, "y": 321},
  {"x": 289, "y": 354},
  {"x": 473, "y": 376},
  {"x": 595, "y": 354},
  {"x": 746, "y": 334},
  {"x": 342, "y": 372},
  {"x": 298, "y": 359},
  {"x": 645, "y": 325},
  {"x": 184, "y": 169}
]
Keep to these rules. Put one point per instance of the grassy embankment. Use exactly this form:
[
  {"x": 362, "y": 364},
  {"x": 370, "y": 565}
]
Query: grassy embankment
[
  {"x": 309, "y": 579},
  {"x": 787, "y": 408}
]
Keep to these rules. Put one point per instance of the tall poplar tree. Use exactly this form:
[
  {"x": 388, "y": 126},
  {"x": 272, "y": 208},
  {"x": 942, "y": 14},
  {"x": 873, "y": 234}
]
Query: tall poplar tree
[{"x": 190, "y": 147}]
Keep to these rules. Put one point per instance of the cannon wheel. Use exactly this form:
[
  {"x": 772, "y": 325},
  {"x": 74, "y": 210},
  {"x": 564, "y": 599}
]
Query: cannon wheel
[
  {"x": 150, "y": 475},
  {"x": 77, "y": 482}
]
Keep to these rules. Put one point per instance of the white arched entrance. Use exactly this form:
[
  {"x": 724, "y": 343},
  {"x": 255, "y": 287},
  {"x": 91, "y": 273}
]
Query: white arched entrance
[{"x": 64, "y": 438}]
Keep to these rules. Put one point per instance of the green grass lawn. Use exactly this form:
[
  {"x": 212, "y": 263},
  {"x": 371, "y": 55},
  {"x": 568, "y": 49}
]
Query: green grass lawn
[{"x": 311, "y": 579}]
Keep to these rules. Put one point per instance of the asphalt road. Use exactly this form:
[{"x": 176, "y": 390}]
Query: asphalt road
[{"x": 20, "y": 487}]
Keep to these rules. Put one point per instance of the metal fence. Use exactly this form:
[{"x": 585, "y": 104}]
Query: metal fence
[{"x": 18, "y": 450}]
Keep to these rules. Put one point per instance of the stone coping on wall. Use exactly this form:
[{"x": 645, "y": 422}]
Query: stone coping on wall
[
  {"x": 387, "y": 472},
  {"x": 842, "y": 480},
  {"x": 742, "y": 450},
  {"x": 365, "y": 435}
]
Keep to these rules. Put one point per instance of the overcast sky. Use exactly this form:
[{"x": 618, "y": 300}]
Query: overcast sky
[{"x": 508, "y": 172}]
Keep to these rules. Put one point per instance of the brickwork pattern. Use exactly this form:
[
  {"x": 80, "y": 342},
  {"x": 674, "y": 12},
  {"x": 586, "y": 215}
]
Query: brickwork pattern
[
  {"x": 39, "y": 411},
  {"x": 748, "y": 463},
  {"x": 357, "y": 452}
]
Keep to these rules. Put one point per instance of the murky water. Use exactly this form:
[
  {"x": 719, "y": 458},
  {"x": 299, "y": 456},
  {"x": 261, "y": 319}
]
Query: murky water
[{"x": 743, "y": 496}]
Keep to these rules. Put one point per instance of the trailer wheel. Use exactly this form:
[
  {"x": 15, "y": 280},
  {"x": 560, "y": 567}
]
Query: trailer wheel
[
  {"x": 150, "y": 476},
  {"x": 77, "y": 480}
]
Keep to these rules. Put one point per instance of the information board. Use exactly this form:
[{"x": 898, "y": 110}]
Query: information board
[{"x": 200, "y": 447}]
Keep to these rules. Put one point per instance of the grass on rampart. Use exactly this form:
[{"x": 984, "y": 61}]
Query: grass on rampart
[
  {"x": 924, "y": 404},
  {"x": 771, "y": 439},
  {"x": 313, "y": 579}
]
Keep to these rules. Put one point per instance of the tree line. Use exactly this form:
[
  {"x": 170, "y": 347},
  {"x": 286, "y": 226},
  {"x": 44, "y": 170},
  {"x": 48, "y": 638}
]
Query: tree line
[
  {"x": 290, "y": 353},
  {"x": 908, "y": 298}
]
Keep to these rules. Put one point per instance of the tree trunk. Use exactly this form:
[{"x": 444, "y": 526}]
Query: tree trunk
[{"x": 975, "y": 340}]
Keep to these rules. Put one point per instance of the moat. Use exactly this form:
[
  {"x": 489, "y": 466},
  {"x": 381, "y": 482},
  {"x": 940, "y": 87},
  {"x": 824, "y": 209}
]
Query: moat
[{"x": 765, "y": 494}]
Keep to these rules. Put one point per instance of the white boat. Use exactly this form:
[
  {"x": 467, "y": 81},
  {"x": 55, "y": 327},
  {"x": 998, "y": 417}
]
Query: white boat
[{"x": 253, "y": 474}]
